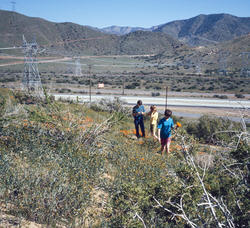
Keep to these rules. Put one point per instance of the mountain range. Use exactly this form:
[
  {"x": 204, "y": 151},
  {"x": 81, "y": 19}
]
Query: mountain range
[
  {"x": 73, "y": 39},
  {"x": 199, "y": 30}
]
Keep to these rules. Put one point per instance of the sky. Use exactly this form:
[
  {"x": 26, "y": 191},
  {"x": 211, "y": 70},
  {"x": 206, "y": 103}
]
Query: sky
[{"x": 134, "y": 13}]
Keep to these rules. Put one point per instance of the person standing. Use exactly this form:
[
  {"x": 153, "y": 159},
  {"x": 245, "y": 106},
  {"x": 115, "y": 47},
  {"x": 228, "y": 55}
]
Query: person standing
[
  {"x": 138, "y": 112},
  {"x": 165, "y": 126},
  {"x": 153, "y": 120}
]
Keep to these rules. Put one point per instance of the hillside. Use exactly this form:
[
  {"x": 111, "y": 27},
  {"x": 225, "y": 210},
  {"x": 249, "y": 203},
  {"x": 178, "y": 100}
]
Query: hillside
[
  {"x": 74, "y": 165},
  {"x": 72, "y": 39},
  {"x": 196, "y": 31},
  {"x": 207, "y": 29},
  {"x": 54, "y": 36},
  {"x": 209, "y": 57},
  {"x": 147, "y": 42}
]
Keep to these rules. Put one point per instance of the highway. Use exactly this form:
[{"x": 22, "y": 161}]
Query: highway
[{"x": 160, "y": 101}]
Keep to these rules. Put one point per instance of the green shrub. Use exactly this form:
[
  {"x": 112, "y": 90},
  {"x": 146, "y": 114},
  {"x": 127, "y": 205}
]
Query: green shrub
[
  {"x": 208, "y": 129},
  {"x": 239, "y": 95},
  {"x": 155, "y": 94},
  {"x": 56, "y": 158}
]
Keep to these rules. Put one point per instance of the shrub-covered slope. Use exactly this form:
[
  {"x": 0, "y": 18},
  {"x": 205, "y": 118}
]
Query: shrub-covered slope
[{"x": 67, "y": 164}]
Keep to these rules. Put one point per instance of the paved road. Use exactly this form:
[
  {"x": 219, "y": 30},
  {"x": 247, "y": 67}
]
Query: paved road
[{"x": 188, "y": 102}]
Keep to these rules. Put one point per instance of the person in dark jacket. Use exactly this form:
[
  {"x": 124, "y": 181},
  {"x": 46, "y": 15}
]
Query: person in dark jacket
[{"x": 138, "y": 112}]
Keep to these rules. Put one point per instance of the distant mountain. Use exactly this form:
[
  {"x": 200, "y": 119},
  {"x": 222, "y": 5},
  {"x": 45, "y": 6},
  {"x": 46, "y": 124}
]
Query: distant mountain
[
  {"x": 207, "y": 29},
  {"x": 196, "y": 31},
  {"x": 123, "y": 30},
  {"x": 72, "y": 39},
  {"x": 119, "y": 30}
]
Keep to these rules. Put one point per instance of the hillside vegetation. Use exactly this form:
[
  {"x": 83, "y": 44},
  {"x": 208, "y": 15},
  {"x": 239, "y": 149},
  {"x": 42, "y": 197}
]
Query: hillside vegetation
[
  {"x": 207, "y": 29},
  {"x": 70, "y": 165},
  {"x": 196, "y": 31},
  {"x": 73, "y": 39}
]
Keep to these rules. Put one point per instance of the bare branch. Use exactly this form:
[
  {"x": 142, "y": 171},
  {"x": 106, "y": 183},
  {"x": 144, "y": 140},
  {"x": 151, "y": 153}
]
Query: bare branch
[
  {"x": 180, "y": 208},
  {"x": 138, "y": 216}
]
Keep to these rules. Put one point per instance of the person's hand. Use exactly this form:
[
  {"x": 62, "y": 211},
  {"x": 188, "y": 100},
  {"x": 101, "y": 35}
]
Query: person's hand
[{"x": 159, "y": 139}]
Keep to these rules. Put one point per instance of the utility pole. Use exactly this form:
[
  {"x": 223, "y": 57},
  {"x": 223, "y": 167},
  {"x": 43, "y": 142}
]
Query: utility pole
[
  {"x": 31, "y": 78},
  {"x": 90, "y": 82},
  {"x": 123, "y": 83},
  {"x": 166, "y": 102}
]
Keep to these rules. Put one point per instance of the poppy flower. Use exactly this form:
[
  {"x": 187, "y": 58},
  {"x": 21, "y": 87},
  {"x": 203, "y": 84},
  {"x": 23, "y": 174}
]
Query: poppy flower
[{"x": 178, "y": 124}]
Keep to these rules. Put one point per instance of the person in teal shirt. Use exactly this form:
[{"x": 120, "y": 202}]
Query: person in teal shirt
[
  {"x": 165, "y": 126},
  {"x": 138, "y": 112}
]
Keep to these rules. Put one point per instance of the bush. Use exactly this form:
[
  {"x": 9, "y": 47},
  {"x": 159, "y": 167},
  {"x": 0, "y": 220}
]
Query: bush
[
  {"x": 64, "y": 90},
  {"x": 221, "y": 96},
  {"x": 155, "y": 94},
  {"x": 207, "y": 127},
  {"x": 239, "y": 95},
  {"x": 130, "y": 86},
  {"x": 70, "y": 165}
]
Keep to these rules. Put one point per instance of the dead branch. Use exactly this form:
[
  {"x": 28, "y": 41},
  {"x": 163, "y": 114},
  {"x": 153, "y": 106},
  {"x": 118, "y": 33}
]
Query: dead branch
[
  {"x": 179, "y": 207},
  {"x": 138, "y": 216}
]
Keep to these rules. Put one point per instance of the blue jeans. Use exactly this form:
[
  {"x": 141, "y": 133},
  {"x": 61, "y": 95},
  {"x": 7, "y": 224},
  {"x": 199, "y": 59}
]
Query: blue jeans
[{"x": 139, "y": 122}]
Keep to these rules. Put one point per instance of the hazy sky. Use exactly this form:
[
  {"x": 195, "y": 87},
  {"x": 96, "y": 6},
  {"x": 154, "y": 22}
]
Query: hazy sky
[{"x": 143, "y": 13}]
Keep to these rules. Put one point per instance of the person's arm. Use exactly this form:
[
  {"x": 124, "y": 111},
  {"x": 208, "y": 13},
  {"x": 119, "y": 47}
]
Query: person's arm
[
  {"x": 159, "y": 134},
  {"x": 159, "y": 131},
  {"x": 134, "y": 112},
  {"x": 143, "y": 110},
  {"x": 156, "y": 116},
  {"x": 172, "y": 124}
]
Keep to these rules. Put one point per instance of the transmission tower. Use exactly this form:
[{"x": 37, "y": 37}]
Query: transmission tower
[
  {"x": 78, "y": 69},
  {"x": 31, "y": 77},
  {"x": 223, "y": 62},
  {"x": 13, "y": 6},
  {"x": 197, "y": 65},
  {"x": 245, "y": 57}
]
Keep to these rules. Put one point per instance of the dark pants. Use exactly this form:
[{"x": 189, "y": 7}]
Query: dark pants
[{"x": 141, "y": 123}]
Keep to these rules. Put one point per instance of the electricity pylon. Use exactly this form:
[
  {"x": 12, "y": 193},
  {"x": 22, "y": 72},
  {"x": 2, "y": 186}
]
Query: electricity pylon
[
  {"x": 31, "y": 77},
  {"x": 78, "y": 69},
  {"x": 223, "y": 57},
  {"x": 245, "y": 69}
]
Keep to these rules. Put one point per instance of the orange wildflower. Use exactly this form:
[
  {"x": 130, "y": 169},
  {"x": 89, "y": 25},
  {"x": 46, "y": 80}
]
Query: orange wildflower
[
  {"x": 88, "y": 119},
  {"x": 125, "y": 132},
  {"x": 134, "y": 132},
  {"x": 178, "y": 124}
]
